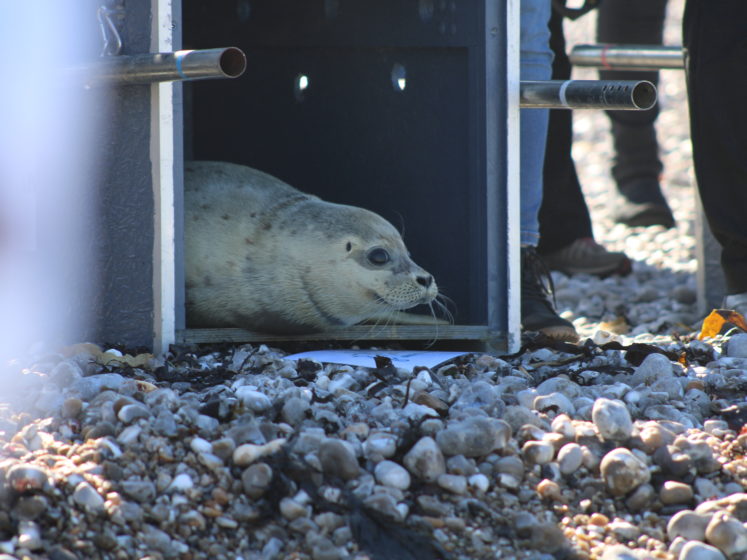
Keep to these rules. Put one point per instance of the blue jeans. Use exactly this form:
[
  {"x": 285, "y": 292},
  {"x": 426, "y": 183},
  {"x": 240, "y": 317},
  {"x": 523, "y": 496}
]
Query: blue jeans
[{"x": 536, "y": 64}]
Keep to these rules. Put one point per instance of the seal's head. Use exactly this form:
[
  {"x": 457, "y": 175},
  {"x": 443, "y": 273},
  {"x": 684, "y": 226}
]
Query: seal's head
[{"x": 366, "y": 271}]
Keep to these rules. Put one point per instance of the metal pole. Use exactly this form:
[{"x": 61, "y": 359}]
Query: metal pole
[
  {"x": 628, "y": 57},
  {"x": 229, "y": 62},
  {"x": 619, "y": 95}
]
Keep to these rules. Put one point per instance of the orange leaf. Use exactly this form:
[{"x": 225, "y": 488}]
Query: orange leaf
[{"x": 713, "y": 324}]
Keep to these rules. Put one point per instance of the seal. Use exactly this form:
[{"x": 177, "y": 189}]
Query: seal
[{"x": 263, "y": 256}]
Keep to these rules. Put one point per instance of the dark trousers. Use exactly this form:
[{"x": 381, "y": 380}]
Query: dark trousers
[
  {"x": 564, "y": 216},
  {"x": 714, "y": 34}
]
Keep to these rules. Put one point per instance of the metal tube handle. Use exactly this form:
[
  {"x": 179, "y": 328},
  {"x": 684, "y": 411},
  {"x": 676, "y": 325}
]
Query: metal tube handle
[{"x": 626, "y": 95}]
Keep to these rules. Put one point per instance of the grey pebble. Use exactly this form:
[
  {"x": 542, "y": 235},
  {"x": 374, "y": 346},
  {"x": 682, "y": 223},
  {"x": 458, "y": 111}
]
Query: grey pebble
[
  {"x": 87, "y": 497},
  {"x": 673, "y": 492},
  {"x": 695, "y": 550},
  {"x": 737, "y": 346},
  {"x": 688, "y": 524},
  {"x": 623, "y": 472},
  {"x": 338, "y": 459},
  {"x": 537, "y": 452},
  {"x": 727, "y": 533},
  {"x": 612, "y": 419},
  {"x": 256, "y": 479},
  {"x": 570, "y": 458},
  {"x": 425, "y": 460},
  {"x": 474, "y": 437},
  {"x": 454, "y": 483},
  {"x": 140, "y": 490},
  {"x": 391, "y": 474}
]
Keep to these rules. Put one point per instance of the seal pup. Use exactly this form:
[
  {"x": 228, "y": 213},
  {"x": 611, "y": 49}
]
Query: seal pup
[{"x": 263, "y": 256}]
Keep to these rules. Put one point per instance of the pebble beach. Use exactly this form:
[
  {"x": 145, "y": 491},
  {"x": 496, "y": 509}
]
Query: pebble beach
[{"x": 628, "y": 445}]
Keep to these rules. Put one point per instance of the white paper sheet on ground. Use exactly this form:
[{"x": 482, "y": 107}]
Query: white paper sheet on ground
[{"x": 407, "y": 359}]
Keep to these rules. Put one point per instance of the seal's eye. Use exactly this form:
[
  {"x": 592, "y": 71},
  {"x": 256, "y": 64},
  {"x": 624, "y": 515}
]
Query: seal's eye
[
  {"x": 378, "y": 256},
  {"x": 348, "y": 246}
]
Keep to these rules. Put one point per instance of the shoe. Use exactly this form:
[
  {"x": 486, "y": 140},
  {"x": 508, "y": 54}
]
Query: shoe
[
  {"x": 537, "y": 312},
  {"x": 586, "y": 256},
  {"x": 736, "y": 302},
  {"x": 645, "y": 214},
  {"x": 642, "y": 204}
]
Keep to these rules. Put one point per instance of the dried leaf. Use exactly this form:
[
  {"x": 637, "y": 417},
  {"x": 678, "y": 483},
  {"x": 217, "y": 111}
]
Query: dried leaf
[{"x": 713, "y": 324}]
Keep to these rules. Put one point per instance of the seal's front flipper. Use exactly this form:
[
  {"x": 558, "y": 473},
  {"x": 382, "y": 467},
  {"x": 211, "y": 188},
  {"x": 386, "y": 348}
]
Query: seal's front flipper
[{"x": 402, "y": 318}]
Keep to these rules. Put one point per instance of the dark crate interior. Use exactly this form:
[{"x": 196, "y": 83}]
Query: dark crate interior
[{"x": 379, "y": 104}]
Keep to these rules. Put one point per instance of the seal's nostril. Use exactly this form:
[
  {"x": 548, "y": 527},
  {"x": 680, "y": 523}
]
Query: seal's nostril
[{"x": 425, "y": 281}]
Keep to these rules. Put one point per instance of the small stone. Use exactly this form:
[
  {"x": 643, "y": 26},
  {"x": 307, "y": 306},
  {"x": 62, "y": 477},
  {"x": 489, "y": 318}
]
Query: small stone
[
  {"x": 200, "y": 445},
  {"x": 26, "y": 478},
  {"x": 623, "y": 472},
  {"x": 291, "y": 509},
  {"x": 517, "y": 416},
  {"x": 547, "y": 537},
  {"x": 695, "y": 550},
  {"x": 736, "y": 347},
  {"x": 180, "y": 483},
  {"x": 391, "y": 474},
  {"x": 524, "y": 523},
  {"x": 385, "y": 504},
  {"x": 479, "y": 482},
  {"x": 727, "y": 533},
  {"x": 338, "y": 459},
  {"x": 512, "y": 465},
  {"x": 561, "y": 385},
  {"x": 248, "y": 453},
  {"x": 474, "y": 437},
  {"x": 381, "y": 444},
  {"x": 705, "y": 489},
  {"x": 140, "y": 490},
  {"x": 31, "y": 507},
  {"x": 425, "y": 460},
  {"x": 689, "y": 525},
  {"x": 654, "y": 367},
  {"x": 87, "y": 497},
  {"x": 612, "y": 419},
  {"x": 570, "y": 458},
  {"x": 294, "y": 410},
  {"x": 72, "y": 407},
  {"x": 213, "y": 462},
  {"x": 459, "y": 464},
  {"x": 554, "y": 402},
  {"x": 256, "y": 480},
  {"x": 426, "y": 399},
  {"x": 622, "y": 552},
  {"x": 131, "y": 412},
  {"x": 29, "y": 535},
  {"x": 254, "y": 400},
  {"x": 549, "y": 490},
  {"x": 624, "y": 530},
  {"x": 223, "y": 448},
  {"x": 454, "y": 483},
  {"x": 537, "y": 452},
  {"x": 562, "y": 424},
  {"x": 712, "y": 426},
  {"x": 129, "y": 435},
  {"x": 673, "y": 492}
]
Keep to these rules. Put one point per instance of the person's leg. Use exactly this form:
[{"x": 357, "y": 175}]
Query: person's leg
[
  {"x": 537, "y": 312},
  {"x": 564, "y": 216},
  {"x": 536, "y": 61},
  {"x": 566, "y": 239},
  {"x": 637, "y": 166},
  {"x": 717, "y": 79}
]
